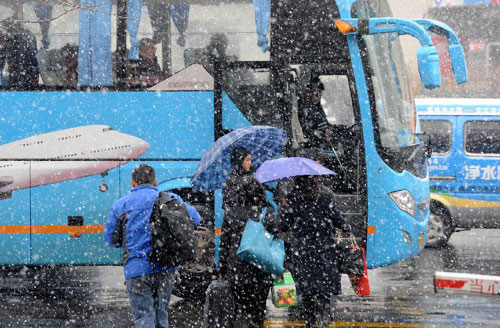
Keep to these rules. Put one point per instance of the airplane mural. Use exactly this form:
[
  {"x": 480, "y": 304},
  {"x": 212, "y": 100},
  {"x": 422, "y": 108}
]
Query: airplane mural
[{"x": 65, "y": 155}]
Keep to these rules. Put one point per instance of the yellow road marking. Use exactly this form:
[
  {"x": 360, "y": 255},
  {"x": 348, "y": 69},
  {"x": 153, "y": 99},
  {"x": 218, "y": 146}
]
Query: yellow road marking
[{"x": 275, "y": 324}]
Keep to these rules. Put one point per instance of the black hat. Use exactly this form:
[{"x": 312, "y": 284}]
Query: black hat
[{"x": 316, "y": 84}]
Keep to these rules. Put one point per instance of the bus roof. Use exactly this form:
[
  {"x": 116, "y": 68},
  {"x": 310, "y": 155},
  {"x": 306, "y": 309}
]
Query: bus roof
[
  {"x": 10, "y": 3},
  {"x": 458, "y": 106}
]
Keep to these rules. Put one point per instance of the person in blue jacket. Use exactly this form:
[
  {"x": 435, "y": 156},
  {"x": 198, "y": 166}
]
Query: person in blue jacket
[{"x": 149, "y": 285}]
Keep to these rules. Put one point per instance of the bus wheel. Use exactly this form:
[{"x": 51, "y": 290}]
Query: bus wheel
[{"x": 440, "y": 226}]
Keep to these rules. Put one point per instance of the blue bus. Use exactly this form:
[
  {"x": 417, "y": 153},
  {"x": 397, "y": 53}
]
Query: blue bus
[
  {"x": 70, "y": 138},
  {"x": 465, "y": 165}
]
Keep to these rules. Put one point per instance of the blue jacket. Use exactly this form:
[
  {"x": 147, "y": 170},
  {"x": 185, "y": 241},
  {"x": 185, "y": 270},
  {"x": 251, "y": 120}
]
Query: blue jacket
[{"x": 139, "y": 204}]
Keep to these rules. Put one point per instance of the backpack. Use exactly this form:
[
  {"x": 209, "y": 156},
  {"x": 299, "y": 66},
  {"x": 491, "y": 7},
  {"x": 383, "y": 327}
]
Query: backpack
[
  {"x": 219, "y": 311},
  {"x": 172, "y": 231}
]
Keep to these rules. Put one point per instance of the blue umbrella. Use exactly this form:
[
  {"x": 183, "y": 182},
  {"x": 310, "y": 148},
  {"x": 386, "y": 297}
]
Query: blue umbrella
[
  {"x": 289, "y": 167},
  {"x": 215, "y": 167}
]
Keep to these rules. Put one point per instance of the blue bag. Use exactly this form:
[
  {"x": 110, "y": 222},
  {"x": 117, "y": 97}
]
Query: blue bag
[{"x": 260, "y": 248}]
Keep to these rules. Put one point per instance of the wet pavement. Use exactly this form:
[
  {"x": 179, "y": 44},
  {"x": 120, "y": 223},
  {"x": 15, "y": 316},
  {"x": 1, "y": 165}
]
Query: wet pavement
[{"x": 402, "y": 294}]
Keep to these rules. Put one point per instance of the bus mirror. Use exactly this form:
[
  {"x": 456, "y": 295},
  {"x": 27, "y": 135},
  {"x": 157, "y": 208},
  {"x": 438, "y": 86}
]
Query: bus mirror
[
  {"x": 427, "y": 56},
  {"x": 426, "y": 139},
  {"x": 458, "y": 63},
  {"x": 428, "y": 67},
  {"x": 457, "y": 55},
  {"x": 428, "y": 149}
]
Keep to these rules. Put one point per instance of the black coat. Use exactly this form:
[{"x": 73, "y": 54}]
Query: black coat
[
  {"x": 243, "y": 198},
  {"x": 314, "y": 123},
  {"x": 312, "y": 220}
]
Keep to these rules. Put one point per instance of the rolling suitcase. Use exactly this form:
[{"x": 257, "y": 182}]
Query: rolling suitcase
[{"x": 219, "y": 305}]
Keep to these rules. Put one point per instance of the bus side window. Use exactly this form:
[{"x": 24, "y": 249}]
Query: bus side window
[
  {"x": 18, "y": 56},
  {"x": 482, "y": 137},
  {"x": 337, "y": 101},
  {"x": 440, "y": 134}
]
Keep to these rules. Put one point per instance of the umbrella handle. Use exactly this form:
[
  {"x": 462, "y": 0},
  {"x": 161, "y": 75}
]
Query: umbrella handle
[{"x": 263, "y": 216}]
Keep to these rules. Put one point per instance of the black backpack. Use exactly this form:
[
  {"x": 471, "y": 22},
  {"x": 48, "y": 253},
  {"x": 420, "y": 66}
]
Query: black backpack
[{"x": 172, "y": 231}]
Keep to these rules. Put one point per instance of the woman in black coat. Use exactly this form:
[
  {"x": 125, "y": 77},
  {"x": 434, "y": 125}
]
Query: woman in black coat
[
  {"x": 243, "y": 198},
  {"x": 311, "y": 216}
]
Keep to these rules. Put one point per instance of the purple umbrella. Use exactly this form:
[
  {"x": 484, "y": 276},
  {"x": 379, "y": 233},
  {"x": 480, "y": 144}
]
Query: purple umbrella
[{"x": 289, "y": 167}]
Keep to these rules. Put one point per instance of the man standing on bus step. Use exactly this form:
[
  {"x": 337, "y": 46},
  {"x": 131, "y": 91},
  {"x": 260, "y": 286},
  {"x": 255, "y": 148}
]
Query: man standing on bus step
[
  {"x": 312, "y": 117},
  {"x": 149, "y": 285}
]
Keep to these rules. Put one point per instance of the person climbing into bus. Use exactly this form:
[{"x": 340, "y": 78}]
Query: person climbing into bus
[
  {"x": 312, "y": 117},
  {"x": 311, "y": 217},
  {"x": 149, "y": 285}
]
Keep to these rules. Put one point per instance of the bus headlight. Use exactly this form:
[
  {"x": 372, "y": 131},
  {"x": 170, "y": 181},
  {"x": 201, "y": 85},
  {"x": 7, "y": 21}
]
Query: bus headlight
[{"x": 405, "y": 201}]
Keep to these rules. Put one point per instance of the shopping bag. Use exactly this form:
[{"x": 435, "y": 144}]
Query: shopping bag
[
  {"x": 219, "y": 311},
  {"x": 262, "y": 249},
  {"x": 284, "y": 291},
  {"x": 360, "y": 283},
  {"x": 351, "y": 259}
]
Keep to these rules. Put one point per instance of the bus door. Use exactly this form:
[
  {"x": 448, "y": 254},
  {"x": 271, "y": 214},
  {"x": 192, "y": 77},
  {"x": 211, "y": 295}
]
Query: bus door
[
  {"x": 478, "y": 170},
  {"x": 15, "y": 237},
  {"x": 249, "y": 89},
  {"x": 441, "y": 166},
  {"x": 345, "y": 150}
]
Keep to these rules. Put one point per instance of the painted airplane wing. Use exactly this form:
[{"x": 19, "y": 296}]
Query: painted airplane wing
[{"x": 5, "y": 181}]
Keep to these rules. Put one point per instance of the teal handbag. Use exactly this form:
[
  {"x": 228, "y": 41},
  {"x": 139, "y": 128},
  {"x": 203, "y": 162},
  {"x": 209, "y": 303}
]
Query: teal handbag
[{"x": 260, "y": 248}]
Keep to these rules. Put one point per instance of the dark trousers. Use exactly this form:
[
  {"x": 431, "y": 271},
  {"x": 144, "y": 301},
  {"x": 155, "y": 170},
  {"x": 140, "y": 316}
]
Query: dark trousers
[
  {"x": 250, "y": 304},
  {"x": 318, "y": 308}
]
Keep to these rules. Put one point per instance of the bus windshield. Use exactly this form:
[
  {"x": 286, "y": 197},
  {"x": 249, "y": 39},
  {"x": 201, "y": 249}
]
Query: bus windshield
[{"x": 395, "y": 109}]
